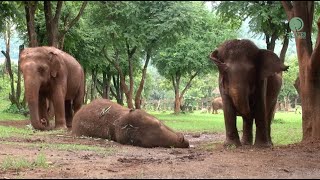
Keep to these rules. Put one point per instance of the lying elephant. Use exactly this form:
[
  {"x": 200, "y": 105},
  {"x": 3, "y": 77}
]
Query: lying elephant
[{"x": 103, "y": 118}]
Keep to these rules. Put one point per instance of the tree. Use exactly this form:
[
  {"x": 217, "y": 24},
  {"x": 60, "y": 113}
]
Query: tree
[
  {"x": 309, "y": 67},
  {"x": 288, "y": 92},
  {"x": 55, "y": 37},
  {"x": 188, "y": 58},
  {"x": 266, "y": 17},
  {"x": 133, "y": 32},
  {"x": 30, "y": 10},
  {"x": 11, "y": 16}
]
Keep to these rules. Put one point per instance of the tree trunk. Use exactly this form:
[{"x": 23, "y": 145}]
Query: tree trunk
[
  {"x": 106, "y": 85},
  {"x": 93, "y": 84},
  {"x": 176, "y": 84},
  {"x": 285, "y": 44},
  {"x": 309, "y": 67},
  {"x": 144, "y": 73},
  {"x": 52, "y": 23},
  {"x": 18, "y": 91},
  {"x": 117, "y": 93},
  {"x": 68, "y": 25},
  {"x": 30, "y": 9}
]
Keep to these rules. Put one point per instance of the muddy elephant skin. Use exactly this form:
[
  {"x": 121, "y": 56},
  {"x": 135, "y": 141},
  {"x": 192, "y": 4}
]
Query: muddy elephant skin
[
  {"x": 249, "y": 84},
  {"x": 105, "y": 119},
  {"x": 51, "y": 78},
  {"x": 216, "y": 104}
]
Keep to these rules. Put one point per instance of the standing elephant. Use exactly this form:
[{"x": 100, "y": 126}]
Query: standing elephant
[
  {"x": 51, "y": 75},
  {"x": 216, "y": 104},
  {"x": 249, "y": 84}
]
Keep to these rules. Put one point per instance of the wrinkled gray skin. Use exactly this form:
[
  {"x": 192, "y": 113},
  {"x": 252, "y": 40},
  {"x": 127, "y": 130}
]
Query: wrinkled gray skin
[
  {"x": 249, "y": 83},
  {"x": 105, "y": 119}
]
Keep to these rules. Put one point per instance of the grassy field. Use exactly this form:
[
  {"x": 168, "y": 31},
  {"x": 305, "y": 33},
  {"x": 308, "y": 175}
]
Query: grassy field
[{"x": 286, "y": 128}]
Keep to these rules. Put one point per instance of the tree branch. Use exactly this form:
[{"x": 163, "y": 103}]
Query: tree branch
[
  {"x": 288, "y": 8},
  {"x": 5, "y": 54},
  {"x": 188, "y": 84},
  {"x": 116, "y": 65},
  {"x": 76, "y": 19},
  {"x": 58, "y": 12}
]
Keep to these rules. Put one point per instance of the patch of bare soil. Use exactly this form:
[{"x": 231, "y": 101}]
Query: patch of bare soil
[{"x": 206, "y": 158}]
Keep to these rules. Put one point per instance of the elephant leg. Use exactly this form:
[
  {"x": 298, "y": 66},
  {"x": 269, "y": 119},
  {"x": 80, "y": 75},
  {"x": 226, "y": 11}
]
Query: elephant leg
[
  {"x": 59, "y": 108},
  {"x": 247, "y": 136},
  {"x": 43, "y": 114},
  {"x": 261, "y": 117},
  {"x": 69, "y": 113},
  {"x": 76, "y": 105},
  {"x": 270, "y": 117},
  {"x": 230, "y": 119}
]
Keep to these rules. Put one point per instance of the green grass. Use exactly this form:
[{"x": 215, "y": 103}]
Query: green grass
[
  {"x": 66, "y": 147},
  {"x": 19, "y": 163},
  {"x": 285, "y": 129},
  {"x": 192, "y": 122},
  {"x": 6, "y": 132},
  {"x": 5, "y": 104}
]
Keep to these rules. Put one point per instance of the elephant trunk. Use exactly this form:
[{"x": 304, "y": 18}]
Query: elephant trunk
[
  {"x": 32, "y": 97},
  {"x": 241, "y": 103}
]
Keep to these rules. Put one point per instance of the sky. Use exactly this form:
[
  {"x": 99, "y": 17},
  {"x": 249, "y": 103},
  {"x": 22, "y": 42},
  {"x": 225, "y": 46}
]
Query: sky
[{"x": 14, "y": 50}]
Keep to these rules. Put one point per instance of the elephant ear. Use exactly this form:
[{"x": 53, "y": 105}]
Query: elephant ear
[
  {"x": 54, "y": 63},
  {"x": 269, "y": 63},
  {"x": 215, "y": 58}
]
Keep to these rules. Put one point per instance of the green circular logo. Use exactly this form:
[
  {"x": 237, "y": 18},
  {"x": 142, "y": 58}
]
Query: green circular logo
[{"x": 296, "y": 24}]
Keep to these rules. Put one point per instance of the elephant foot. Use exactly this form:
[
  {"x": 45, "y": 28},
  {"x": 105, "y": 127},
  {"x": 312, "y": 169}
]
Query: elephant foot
[
  {"x": 247, "y": 139},
  {"x": 261, "y": 144},
  {"x": 231, "y": 143},
  {"x": 61, "y": 127},
  {"x": 246, "y": 142}
]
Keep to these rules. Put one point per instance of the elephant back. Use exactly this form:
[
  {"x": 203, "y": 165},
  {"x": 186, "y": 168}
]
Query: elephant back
[{"x": 97, "y": 119}]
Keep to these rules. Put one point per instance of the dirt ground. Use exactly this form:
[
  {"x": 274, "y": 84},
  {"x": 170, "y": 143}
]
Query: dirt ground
[{"x": 206, "y": 158}]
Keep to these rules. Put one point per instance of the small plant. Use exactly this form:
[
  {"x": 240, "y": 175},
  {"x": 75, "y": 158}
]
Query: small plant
[
  {"x": 15, "y": 164},
  {"x": 19, "y": 163},
  {"x": 230, "y": 146},
  {"x": 15, "y": 110},
  {"x": 41, "y": 161}
]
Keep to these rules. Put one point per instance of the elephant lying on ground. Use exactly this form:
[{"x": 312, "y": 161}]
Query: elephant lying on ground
[
  {"x": 52, "y": 78},
  {"x": 105, "y": 119},
  {"x": 249, "y": 84},
  {"x": 216, "y": 104}
]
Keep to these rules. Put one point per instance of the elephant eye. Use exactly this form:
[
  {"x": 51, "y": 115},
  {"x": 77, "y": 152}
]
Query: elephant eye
[{"x": 41, "y": 70}]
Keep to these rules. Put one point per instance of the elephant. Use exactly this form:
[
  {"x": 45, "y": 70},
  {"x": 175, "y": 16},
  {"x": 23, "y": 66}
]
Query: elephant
[
  {"x": 53, "y": 81},
  {"x": 105, "y": 119},
  {"x": 216, "y": 104},
  {"x": 249, "y": 83}
]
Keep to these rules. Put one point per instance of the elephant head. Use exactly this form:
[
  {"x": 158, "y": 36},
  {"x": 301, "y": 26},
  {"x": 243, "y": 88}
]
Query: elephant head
[
  {"x": 38, "y": 66},
  {"x": 241, "y": 65}
]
